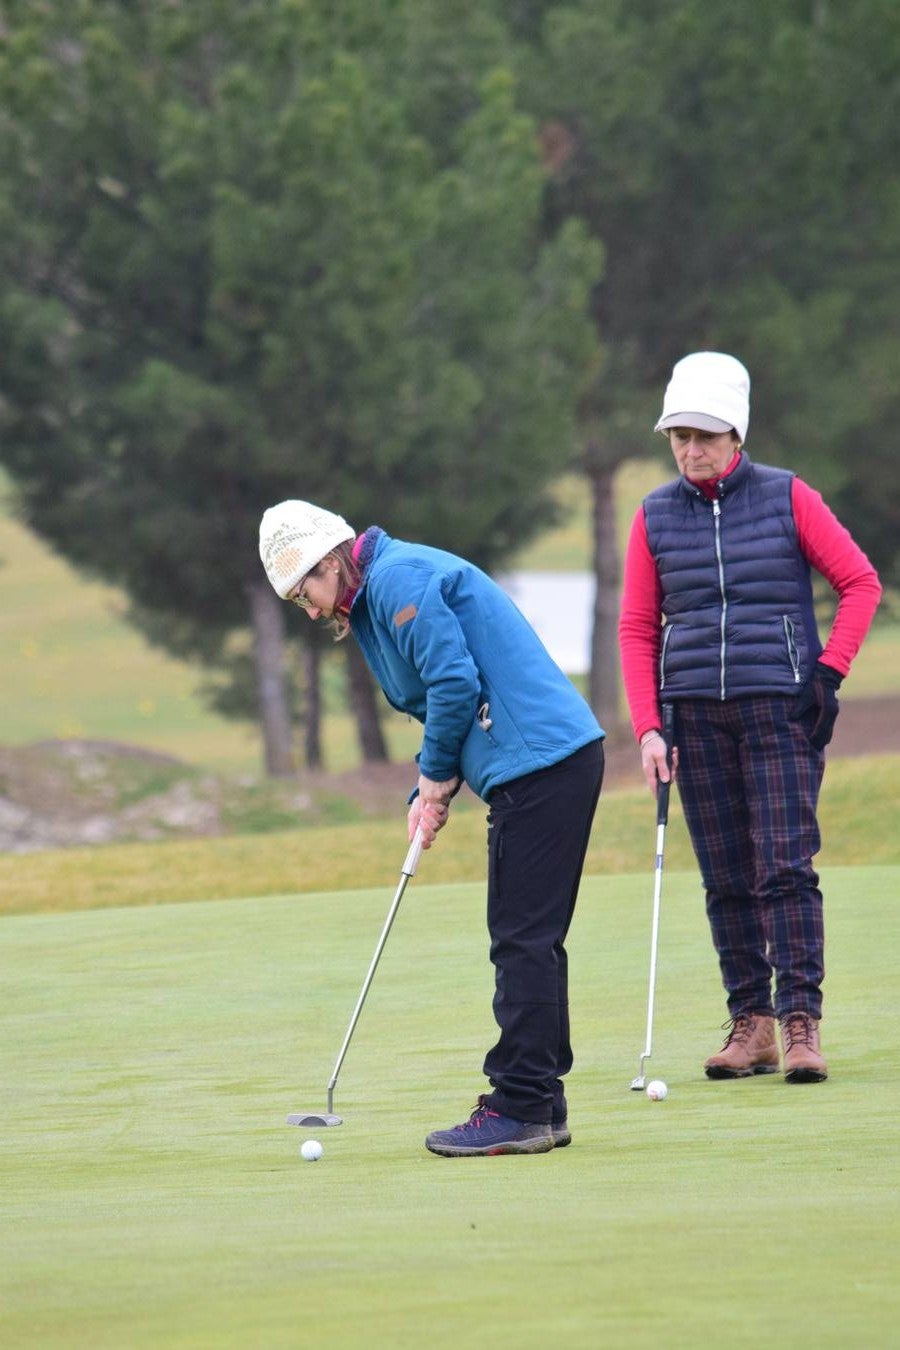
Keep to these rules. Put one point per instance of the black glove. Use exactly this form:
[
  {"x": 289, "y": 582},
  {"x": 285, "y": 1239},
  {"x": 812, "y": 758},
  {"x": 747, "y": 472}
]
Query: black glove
[{"x": 818, "y": 697}]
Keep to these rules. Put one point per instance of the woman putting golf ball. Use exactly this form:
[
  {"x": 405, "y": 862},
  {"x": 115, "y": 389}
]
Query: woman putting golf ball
[{"x": 449, "y": 648}]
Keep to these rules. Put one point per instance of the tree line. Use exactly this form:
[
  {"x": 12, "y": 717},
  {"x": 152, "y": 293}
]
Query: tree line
[{"x": 414, "y": 259}]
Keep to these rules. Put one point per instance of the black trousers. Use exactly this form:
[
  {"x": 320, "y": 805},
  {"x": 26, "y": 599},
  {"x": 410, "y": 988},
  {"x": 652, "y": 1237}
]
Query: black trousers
[{"x": 538, "y": 831}]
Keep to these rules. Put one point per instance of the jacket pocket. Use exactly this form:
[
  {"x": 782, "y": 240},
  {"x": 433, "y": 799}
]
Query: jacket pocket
[
  {"x": 667, "y": 633},
  {"x": 791, "y": 644}
]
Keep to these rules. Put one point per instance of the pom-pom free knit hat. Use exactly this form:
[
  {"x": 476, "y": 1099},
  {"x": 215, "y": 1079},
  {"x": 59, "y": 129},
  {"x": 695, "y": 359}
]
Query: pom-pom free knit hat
[
  {"x": 293, "y": 537},
  {"x": 708, "y": 390}
]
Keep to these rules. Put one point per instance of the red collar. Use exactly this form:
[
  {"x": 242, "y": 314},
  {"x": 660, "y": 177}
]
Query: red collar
[
  {"x": 710, "y": 486},
  {"x": 346, "y": 600}
]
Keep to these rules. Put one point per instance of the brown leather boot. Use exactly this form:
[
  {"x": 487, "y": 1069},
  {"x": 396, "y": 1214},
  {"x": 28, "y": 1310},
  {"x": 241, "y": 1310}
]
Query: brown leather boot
[
  {"x": 749, "y": 1048},
  {"x": 803, "y": 1062}
]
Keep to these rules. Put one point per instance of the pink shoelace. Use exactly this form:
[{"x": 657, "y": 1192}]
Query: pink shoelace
[{"x": 478, "y": 1117}]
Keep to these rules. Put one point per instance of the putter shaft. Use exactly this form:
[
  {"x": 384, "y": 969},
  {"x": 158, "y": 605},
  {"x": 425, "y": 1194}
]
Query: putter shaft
[
  {"x": 410, "y": 863},
  {"x": 662, "y": 819}
]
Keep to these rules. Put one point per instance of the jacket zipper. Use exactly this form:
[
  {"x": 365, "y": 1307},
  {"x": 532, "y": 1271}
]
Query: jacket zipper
[
  {"x": 791, "y": 647},
  {"x": 717, "y": 513},
  {"x": 667, "y": 633}
]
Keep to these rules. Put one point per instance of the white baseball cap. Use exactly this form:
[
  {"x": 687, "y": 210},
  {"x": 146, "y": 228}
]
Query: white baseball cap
[
  {"x": 293, "y": 537},
  {"x": 708, "y": 390}
]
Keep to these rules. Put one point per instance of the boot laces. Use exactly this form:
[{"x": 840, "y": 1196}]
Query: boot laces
[
  {"x": 739, "y": 1029},
  {"x": 797, "y": 1029}
]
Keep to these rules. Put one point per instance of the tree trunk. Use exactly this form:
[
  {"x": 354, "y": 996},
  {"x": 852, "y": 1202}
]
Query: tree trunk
[
  {"x": 269, "y": 650},
  {"x": 362, "y": 696},
  {"x": 312, "y": 733},
  {"x": 604, "y": 679}
]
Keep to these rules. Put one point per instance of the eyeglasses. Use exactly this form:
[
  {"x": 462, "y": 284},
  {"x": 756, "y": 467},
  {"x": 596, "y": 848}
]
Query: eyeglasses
[{"x": 299, "y": 598}]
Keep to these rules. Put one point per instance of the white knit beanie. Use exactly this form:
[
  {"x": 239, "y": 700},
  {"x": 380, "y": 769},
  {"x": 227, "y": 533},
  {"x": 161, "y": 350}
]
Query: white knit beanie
[
  {"x": 708, "y": 390},
  {"x": 293, "y": 537}
]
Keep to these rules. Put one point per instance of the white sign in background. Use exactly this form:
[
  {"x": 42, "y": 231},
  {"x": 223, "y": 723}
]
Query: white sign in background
[{"x": 560, "y": 607}]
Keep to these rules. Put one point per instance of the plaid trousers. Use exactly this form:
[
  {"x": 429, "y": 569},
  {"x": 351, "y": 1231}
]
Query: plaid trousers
[{"x": 749, "y": 783}]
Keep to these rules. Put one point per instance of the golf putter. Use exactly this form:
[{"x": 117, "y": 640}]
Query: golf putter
[
  {"x": 662, "y": 819},
  {"x": 328, "y": 1117}
]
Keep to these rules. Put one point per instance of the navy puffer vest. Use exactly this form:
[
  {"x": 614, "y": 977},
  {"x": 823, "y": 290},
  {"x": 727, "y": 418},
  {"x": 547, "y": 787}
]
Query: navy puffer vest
[{"x": 737, "y": 595}]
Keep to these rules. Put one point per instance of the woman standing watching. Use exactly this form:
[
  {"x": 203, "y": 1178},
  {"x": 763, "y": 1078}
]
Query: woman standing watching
[
  {"x": 717, "y": 619},
  {"x": 449, "y": 647}
]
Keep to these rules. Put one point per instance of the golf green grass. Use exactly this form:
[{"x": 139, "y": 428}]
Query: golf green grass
[{"x": 153, "y": 1196}]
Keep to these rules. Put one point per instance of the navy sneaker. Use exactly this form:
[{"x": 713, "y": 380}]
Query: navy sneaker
[
  {"x": 561, "y": 1134},
  {"x": 486, "y": 1133}
]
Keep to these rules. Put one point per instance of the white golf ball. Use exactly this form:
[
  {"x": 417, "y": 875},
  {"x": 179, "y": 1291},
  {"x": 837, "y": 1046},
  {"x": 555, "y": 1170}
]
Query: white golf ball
[
  {"x": 657, "y": 1090},
  {"x": 311, "y": 1150}
]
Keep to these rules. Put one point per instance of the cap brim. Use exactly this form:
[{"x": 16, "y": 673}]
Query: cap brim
[{"x": 700, "y": 421}]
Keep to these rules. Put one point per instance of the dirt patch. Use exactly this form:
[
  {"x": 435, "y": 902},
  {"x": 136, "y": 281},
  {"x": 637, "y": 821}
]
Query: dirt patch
[
  {"x": 63, "y": 793},
  {"x": 869, "y": 726},
  {"x": 55, "y": 794}
]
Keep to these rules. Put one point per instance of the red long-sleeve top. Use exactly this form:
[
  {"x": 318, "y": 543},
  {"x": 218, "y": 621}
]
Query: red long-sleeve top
[{"x": 823, "y": 541}]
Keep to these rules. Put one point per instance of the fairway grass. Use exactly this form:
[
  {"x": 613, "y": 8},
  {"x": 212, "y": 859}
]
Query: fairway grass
[
  {"x": 154, "y": 1197},
  {"x": 858, "y": 813}
]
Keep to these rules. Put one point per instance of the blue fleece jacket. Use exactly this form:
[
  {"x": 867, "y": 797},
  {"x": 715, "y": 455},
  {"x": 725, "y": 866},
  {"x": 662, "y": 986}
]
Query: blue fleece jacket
[{"x": 450, "y": 648}]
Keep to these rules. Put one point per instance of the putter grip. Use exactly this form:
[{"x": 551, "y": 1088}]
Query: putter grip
[
  {"x": 662, "y": 803},
  {"x": 663, "y": 789},
  {"x": 411, "y": 861}
]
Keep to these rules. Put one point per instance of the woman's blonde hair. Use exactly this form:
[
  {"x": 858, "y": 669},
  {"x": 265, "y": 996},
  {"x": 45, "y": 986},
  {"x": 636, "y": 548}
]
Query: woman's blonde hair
[{"x": 349, "y": 577}]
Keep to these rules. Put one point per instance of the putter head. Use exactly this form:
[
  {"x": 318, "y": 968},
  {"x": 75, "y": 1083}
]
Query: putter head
[
  {"x": 313, "y": 1118},
  {"x": 637, "y": 1084}
]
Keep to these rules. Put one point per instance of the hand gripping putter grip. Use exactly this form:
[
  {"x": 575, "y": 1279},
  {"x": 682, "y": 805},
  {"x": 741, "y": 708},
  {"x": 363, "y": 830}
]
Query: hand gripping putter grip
[
  {"x": 408, "y": 870},
  {"x": 662, "y": 819}
]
